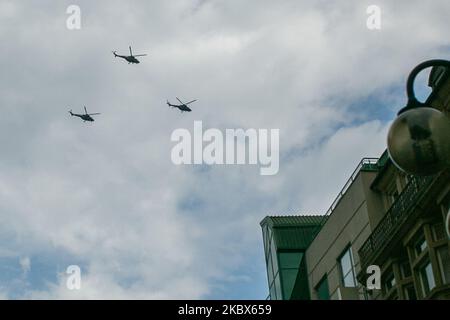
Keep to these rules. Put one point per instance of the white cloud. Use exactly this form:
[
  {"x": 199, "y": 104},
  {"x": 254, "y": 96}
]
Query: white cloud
[{"x": 25, "y": 264}]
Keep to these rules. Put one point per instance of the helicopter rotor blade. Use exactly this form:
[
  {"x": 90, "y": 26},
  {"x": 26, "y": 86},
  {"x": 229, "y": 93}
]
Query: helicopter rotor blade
[
  {"x": 93, "y": 114},
  {"x": 131, "y": 52},
  {"x": 140, "y": 55},
  {"x": 85, "y": 110},
  {"x": 191, "y": 102},
  {"x": 180, "y": 100}
]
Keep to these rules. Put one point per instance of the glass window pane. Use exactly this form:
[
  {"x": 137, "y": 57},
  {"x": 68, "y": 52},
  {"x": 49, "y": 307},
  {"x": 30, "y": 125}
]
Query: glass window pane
[
  {"x": 278, "y": 287},
  {"x": 444, "y": 263},
  {"x": 349, "y": 281},
  {"x": 270, "y": 270},
  {"x": 346, "y": 263},
  {"x": 427, "y": 279},
  {"x": 273, "y": 250},
  {"x": 421, "y": 246},
  {"x": 289, "y": 276},
  {"x": 290, "y": 259},
  {"x": 347, "y": 269},
  {"x": 273, "y": 296},
  {"x": 322, "y": 290},
  {"x": 392, "y": 282},
  {"x": 430, "y": 276}
]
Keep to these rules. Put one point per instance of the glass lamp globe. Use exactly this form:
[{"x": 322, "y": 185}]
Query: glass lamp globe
[
  {"x": 419, "y": 141},
  {"x": 447, "y": 224}
]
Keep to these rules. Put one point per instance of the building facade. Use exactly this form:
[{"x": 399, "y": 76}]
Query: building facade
[
  {"x": 285, "y": 243},
  {"x": 383, "y": 220}
]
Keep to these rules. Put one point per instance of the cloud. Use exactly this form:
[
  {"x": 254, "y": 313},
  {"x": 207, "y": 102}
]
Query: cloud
[
  {"x": 106, "y": 195},
  {"x": 25, "y": 264}
]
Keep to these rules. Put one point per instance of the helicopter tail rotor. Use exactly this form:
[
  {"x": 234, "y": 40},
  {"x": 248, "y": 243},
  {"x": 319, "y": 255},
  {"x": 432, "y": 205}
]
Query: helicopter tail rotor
[{"x": 71, "y": 113}]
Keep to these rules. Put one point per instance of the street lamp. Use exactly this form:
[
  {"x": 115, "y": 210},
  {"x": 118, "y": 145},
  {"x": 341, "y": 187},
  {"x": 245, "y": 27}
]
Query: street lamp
[
  {"x": 447, "y": 223},
  {"x": 419, "y": 139}
]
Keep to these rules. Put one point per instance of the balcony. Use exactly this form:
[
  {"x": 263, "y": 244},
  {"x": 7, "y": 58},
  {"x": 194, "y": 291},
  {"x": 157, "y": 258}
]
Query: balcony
[{"x": 394, "y": 218}]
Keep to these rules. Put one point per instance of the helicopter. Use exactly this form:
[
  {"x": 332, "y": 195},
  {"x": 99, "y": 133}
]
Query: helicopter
[
  {"x": 85, "y": 117},
  {"x": 183, "y": 106},
  {"x": 131, "y": 58}
]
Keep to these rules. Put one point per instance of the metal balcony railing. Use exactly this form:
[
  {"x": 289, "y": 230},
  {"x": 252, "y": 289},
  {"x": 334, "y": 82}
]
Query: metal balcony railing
[
  {"x": 364, "y": 164},
  {"x": 397, "y": 214}
]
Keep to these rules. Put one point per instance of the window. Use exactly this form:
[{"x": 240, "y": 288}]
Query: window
[
  {"x": 322, "y": 290},
  {"x": 443, "y": 257},
  {"x": 270, "y": 270},
  {"x": 288, "y": 277},
  {"x": 439, "y": 232},
  {"x": 405, "y": 269},
  {"x": 273, "y": 295},
  {"x": 278, "y": 287},
  {"x": 410, "y": 293},
  {"x": 273, "y": 252},
  {"x": 347, "y": 269},
  {"x": 420, "y": 246},
  {"x": 289, "y": 264},
  {"x": 390, "y": 282},
  {"x": 427, "y": 279},
  {"x": 290, "y": 260},
  {"x": 273, "y": 272}
]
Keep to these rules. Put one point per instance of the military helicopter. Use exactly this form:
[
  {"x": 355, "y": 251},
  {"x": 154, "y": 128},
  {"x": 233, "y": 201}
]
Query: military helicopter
[
  {"x": 85, "y": 117},
  {"x": 183, "y": 106},
  {"x": 131, "y": 58}
]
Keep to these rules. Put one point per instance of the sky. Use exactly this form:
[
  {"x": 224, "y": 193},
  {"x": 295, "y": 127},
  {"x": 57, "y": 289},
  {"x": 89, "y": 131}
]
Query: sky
[{"x": 106, "y": 196}]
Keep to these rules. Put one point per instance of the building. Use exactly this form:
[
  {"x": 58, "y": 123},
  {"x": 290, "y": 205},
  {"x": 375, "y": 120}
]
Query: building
[
  {"x": 382, "y": 218},
  {"x": 285, "y": 243}
]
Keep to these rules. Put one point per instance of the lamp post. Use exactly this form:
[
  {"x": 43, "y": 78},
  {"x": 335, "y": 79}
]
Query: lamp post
[{"x": 419, "y": 139}]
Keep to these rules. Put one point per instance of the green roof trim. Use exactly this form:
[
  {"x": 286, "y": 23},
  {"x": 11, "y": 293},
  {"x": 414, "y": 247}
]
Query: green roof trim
[
  {"x": 294, "y": 238},
  {"x": 383, "y": 159},
  {"x": 292, "y": 221},
  {"x": 293, "y": 232},
  {"x": 383, "y": 164}
]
